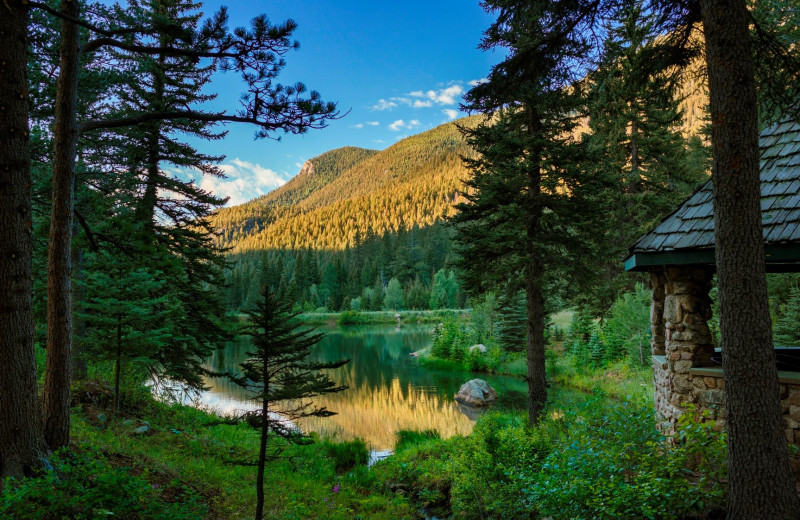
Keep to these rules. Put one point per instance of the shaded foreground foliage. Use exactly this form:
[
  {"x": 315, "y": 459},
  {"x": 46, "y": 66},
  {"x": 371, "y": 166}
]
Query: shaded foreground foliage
[{"x": 594, "y": 460}]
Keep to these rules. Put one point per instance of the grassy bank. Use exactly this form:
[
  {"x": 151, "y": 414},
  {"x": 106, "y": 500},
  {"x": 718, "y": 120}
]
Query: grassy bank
[
  {"x": 157, "y": 461},
  {"x": 381, "y": 317}
]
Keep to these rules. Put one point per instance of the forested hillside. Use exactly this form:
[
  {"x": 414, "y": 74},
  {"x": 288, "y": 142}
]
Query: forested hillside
[
  {"x": 351, "y": 192},
  {"x": 349, "y": 223}
]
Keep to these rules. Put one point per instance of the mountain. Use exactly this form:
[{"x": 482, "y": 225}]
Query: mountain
[
  {"x": 343, "y": 195},
  {"x": 346, "y": 194}
]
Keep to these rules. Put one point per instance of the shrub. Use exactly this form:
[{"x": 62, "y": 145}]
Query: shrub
[
  {"x": 350, "y": 318},
  {"x": 347, "y": 455},
  {"x": 409, "y": 438},
  {"x": 614, "y": 464},
  {"x": 443, "y": 337},
  {"x": 495, "y": 467},
  {"x": 83, "y": 486}
]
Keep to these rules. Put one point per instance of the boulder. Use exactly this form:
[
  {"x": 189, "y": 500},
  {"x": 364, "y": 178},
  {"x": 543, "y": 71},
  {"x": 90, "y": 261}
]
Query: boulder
[
  {"x": 476, "y": 392},
  {"x": 480, "y": 347}
]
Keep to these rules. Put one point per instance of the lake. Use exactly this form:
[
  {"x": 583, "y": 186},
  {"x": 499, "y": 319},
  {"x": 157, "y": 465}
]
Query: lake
[{"x": 388, "y": 390}]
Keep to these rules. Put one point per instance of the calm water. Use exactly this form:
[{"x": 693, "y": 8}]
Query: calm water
[{"x": 388, "y": 390}]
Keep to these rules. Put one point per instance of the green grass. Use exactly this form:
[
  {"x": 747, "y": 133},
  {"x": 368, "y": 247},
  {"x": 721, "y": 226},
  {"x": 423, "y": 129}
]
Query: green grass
[
  {"x": 619, "y": 380},
  {"x": 194, "y": 450},
  {"x": 562, "y": 319}
]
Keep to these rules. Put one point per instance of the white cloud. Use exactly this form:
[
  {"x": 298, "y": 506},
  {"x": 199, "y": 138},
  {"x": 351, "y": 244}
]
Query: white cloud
[
  {"x": 450, "y": 113},
  {"x": 379, "y": 141},
  {"x": 359, "y": 125},
  {"x": 372, "y": 123},
  {"x": 444, "y": 96},
  {"x": 384, "y": 105},
  {"x": 476, "y": 82},
  {"x": 400, "y": 124},
  {"x": 244, "y": 181}
]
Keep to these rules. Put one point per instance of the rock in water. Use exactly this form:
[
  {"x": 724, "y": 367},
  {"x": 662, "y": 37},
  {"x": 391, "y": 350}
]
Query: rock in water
[{"x": 476, "y": 392}]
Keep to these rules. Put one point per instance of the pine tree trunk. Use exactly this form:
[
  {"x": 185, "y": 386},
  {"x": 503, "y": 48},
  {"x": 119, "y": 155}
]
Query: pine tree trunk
[
  {"x": 145, "y": 210},
  {"x": 537, "y": 382},
  {"x": 262, "y": 451},
  {"x": 59, "y": 301},
  {"x": 118, "y": 366},
  {"x": 761, "y": 484},
  {"x": 79, "y": 369},
  {"x": 22, "y": 445}
]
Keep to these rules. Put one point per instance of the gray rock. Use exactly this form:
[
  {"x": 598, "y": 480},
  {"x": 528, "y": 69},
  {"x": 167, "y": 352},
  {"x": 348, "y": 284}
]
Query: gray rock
[
  {"x": 141, "y": 430},
  {"x": 476, "y": 392},
  {"x": 480, "y": 347}
]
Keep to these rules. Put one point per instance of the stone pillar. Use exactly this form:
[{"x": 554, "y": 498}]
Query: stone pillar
[
  {"x": 657, "y": 282},
  {"x": 687, "y": 342}
]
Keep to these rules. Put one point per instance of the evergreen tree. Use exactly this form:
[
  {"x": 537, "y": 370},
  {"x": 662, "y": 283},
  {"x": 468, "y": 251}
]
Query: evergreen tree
[
  {"x": 787, "y": 327},
  {"x": 417, "y": 296},
  {"x": 528, "y": 205},
  {"x": 279, "y": 375},
  {"x": 635, "y": 139},
  {"x": 127, "y": 316},
  {"x": 511, "y": 322},
  {"x": 256, "y": 53}
]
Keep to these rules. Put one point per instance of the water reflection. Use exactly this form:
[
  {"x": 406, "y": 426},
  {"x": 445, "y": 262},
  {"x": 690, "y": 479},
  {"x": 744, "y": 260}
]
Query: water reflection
[{"x": 388, "y": 390}]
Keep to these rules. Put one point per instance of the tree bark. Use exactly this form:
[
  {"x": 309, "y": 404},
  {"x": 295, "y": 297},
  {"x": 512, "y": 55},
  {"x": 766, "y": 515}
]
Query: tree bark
[
  {"x": 262, "y": 449},
  {"x": 118, "y": 365},
  {"x": 79, "y": 368},
  {"x": 59, "y": 299},
  {"x": 537, "y": 382},
  {"x": 537, "y": 379},
  {"x": 22, "y": 446},
  {"x": 761, "y": 484}
]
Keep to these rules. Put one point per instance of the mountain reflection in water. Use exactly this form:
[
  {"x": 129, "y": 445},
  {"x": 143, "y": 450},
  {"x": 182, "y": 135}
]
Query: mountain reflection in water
[{"x": 388, "y": 390}]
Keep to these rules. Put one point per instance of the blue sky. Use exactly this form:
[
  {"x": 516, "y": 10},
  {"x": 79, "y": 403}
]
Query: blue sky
[{"x": 399, "y": 68}]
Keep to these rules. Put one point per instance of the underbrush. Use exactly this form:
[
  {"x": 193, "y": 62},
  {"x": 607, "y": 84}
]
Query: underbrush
[
  {"x": 169, "y": 461},
  {"x": 596, "y": 460},
  {"x": 86, "y": 484},
  {"x": 620, "y": 379}
]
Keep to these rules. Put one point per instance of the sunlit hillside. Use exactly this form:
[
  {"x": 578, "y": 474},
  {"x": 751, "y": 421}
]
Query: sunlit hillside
[{"x": 350, "y": 192}]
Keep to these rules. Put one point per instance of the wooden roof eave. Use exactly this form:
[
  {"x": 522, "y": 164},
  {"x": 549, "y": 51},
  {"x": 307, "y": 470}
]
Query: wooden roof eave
[{"x": 780, "y": 258}]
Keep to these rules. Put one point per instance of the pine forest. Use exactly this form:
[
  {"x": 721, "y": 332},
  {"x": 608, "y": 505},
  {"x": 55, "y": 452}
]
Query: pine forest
[{"x": 496, "y": 259}]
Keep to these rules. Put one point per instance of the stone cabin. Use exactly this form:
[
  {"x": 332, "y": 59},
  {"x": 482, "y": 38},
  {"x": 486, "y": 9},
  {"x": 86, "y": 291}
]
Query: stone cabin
[{"x": 679, "y": 255}]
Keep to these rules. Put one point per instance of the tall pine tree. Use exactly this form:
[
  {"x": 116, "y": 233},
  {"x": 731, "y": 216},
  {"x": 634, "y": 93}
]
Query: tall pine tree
[
  {"x": 528, "y": 205},
  {"x": 635, "y": 139}
]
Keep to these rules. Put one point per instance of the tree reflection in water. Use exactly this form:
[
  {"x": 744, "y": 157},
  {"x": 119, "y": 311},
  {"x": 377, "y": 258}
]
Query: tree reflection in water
[{"x": 388, "y": 390}]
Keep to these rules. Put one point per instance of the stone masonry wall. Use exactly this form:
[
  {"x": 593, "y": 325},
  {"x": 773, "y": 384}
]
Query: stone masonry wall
[
  {"x": 681, "y": 341},
  {"x": 687, "y": 341},
  {"x": 712, "y": 402}
]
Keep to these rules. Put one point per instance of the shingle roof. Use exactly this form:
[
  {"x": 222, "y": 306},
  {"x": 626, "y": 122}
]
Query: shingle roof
[{"x": 691, "y": 226}]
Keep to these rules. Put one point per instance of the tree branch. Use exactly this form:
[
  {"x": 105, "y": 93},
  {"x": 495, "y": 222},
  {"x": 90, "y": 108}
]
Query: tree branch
[
  {"x": 202, "y": 116},
  {"x": 93, "y": 45},
  {"x": 83, "y": 23}
]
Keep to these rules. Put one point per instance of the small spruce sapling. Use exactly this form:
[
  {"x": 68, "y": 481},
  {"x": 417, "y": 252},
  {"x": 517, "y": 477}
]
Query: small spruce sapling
[{"x": 279, "y": 375}]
